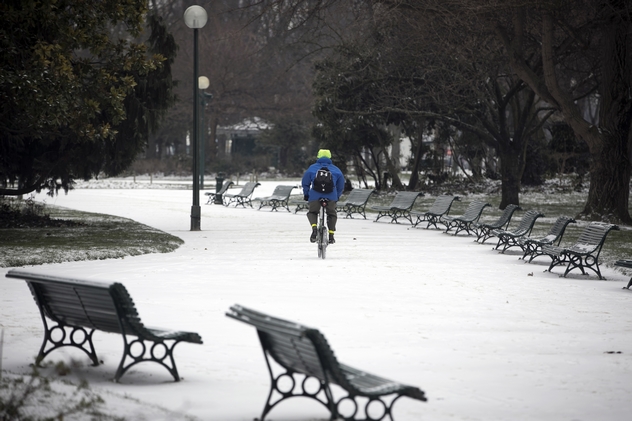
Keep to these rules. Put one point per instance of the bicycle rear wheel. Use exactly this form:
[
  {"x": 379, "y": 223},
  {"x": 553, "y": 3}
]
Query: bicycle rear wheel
[
  {"x": 321, "y": 240},
  {"x": 322, "y": 244}
]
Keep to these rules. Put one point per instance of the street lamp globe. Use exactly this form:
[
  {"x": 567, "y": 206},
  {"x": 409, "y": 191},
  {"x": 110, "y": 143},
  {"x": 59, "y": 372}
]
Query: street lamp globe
[
  {"x": 203, "y": 82},
  {"x": 195, "y": 17}
]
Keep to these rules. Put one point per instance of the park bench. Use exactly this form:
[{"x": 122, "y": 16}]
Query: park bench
[
  {"x": 532, "y": 247},
  {"x": 355, "y": 203},
  {"x": 303, "y": 358},
  {"x": 508, "y": 239},
  {"x": 299, "y": 203},
  {"x": 400, "y": 207},
  {"x": 437, "y": 211},
  {"x": 217, "y": 197},
  {"x": 625, "y": 264},
  {"x": 484, "y": 231},
  {"x": 244, "y": 197},
  {"x": 584, "y": 254},
  {"x": 77, "y": 308},
  {"x": 280, "y": 198},
  {"x": 466, "y": 221}
]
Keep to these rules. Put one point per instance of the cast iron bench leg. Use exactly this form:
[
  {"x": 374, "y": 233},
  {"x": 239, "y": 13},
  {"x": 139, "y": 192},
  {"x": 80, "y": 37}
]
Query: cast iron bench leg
[
  {"x": 139, "y": 351},
  {"x": 63, "y": 335}
]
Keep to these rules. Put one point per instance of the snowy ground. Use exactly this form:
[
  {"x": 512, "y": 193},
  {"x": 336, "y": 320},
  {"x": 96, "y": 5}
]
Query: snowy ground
[{"x": 486, "y": 336}]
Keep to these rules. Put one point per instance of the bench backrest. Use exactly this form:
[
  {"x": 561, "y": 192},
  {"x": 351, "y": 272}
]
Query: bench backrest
[
  {"x": 442, "y": 204},
  {"x": 593, "y": 237},
  {"x": 93, "y": 305},
  {"x": 295, "y": 347},
  {"x": 359, "y": 197},
  {"x": 248, "y": 189},
  {"x": 227, "y": 184},
  {"x": 505, "y": 217},
  {"x": 405, "y": 199},
  {"x": 282, "y": 192},
  {"x": 474, "y": 210},
  {"x": 557, "y": 230},
  {"x": 527, "y": 222}
]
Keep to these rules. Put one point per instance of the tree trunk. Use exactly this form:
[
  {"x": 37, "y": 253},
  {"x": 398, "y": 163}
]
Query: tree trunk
[
  {"x": 511, "y": 169},
  {"x": 414, "y": 174},
  {"x": 609, "y": 193},
  {"x": 392, "y": 171}
]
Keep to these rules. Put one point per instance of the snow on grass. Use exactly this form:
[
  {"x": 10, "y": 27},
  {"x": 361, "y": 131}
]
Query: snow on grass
[{"x": 485, "y": 335}]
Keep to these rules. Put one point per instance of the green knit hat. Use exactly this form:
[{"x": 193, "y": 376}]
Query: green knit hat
[{"x": 324, "y": 153}]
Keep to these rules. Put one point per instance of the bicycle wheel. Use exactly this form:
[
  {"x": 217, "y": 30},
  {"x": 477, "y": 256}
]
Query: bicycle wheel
[
  {"x": 321, "y": 238},
  {"x": 319, "y": 244},
  {"x": 322, "y": 244}
]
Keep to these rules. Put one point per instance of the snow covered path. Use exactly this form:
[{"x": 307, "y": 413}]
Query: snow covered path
[{"x": 486, "y": 336}]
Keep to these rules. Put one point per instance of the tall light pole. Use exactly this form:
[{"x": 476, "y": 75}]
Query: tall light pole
[
  {"x": 195, "y": 17},
  {"x": 203, "y": 83}
]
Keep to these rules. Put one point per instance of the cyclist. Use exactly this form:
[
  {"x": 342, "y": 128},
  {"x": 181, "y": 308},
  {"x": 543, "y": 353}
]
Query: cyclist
[{"x": 331, "y": 190}]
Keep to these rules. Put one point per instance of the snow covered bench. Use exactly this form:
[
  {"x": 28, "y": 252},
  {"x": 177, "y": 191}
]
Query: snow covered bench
[
  {"x": 309, "y": 366},
  {"x": 78, "y": 308},
  {"x": 399, "y": 208},
  {"x": 437, "y": 211},
  {"x": 625, "y": 264},
  {"x": 280, "y": 198},
  {"x": 355, "y": 203},
  {"x": 532, "y": 247},
  {"x": 299, "y": 203},
  {"x": 584, "y": 254},
  {"x": 508, "y": 239},
  {"x": 217, "y": 197},
  {"x": 484, "y": 231},
  {"x": 244, "y": 197},
  {"x": 467, "y": 221}
]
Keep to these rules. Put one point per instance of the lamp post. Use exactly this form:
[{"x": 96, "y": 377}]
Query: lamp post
[
  {"x": 203, "y": 83},
  {"x": 195, "y": 17}
]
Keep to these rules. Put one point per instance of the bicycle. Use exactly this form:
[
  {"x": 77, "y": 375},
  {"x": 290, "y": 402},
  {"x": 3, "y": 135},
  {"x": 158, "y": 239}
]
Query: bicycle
[{"x": 322, "y": 238}]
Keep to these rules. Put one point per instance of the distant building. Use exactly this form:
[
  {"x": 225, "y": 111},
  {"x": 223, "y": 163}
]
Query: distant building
[{"x": 240, "y": 138}]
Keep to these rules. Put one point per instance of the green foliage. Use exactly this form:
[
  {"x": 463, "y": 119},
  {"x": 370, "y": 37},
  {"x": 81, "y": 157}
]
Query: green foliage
[{"x": 78, "y": 97}]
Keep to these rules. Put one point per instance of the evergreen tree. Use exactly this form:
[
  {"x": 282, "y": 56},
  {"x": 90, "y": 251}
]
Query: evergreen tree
[{"x": 78, "y": 97}]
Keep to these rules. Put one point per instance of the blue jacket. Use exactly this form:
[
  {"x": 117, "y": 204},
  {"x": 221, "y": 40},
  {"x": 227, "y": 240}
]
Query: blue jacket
[{"x": 308, "y": 178}]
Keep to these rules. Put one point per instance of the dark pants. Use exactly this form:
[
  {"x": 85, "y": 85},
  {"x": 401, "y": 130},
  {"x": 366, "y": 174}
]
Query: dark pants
[{"x": 313, "y": 212}]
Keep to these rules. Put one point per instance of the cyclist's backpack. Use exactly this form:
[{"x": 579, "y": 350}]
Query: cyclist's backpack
[{"x": 324, "y": 181}]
